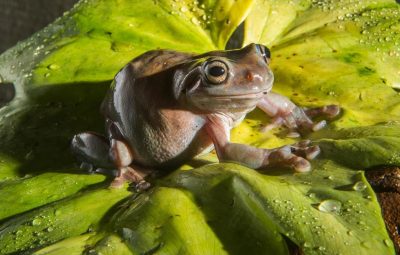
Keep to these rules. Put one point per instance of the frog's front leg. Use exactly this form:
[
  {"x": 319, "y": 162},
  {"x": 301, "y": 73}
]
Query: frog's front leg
[
  {"x": 293, "y": 156},
  {"x": 285, "y": 112},
  {"x": 95, "y": 150}
]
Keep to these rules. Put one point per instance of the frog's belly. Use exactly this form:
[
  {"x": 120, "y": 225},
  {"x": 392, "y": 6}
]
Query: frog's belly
[{"x": 178, "y": 137}]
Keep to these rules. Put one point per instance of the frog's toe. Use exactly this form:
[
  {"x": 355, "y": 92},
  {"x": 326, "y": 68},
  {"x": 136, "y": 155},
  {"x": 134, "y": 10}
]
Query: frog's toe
[
  {"x": 287, "y": 156},
  {"x": 87, "y": 167},
  {"x": 312, "y": 152},
  {"x": 331, "y": 111},
  {"x": 118, "y": 182},
  {"x": 300, "y": 164},
  {"x": 327, "y": 111},
  {"x": 142, "y": 186},
  {"x": 319, "y": 125},
  {"x": 302, "y": 144},
  {"x": 304, "y": 149},
  {"x": 132, "y": 175},
  {"x": 276, "y": 122},
  {"x": 293, "y": 134}
]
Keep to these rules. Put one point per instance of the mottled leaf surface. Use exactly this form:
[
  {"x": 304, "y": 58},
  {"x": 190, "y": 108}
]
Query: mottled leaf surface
[{"x": 343, "y": 52}]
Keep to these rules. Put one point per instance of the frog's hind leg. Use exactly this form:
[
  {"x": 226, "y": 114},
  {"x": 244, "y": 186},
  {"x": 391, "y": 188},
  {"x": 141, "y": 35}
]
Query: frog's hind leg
[
  {"x": 123, "y": 158},
  {"x": 96, "y": 151},
  {"x": 92, "y": 149}
]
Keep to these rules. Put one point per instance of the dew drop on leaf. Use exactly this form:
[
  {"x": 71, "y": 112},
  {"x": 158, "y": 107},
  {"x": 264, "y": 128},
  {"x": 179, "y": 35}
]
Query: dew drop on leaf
[
  {"x": 53, "y": 66},
  {"x": 312, "y": 195},
  {"x": 195, "y": 21},
  {"x": 36, "y": 222},
  {"x": 330, "y": 205},
  {"x": 387, "y": 242},
  {"x": 359, "y": 186}
]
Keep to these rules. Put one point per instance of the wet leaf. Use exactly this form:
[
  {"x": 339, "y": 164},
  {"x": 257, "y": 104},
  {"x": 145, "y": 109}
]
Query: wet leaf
[{"x": 343, "y": 52}]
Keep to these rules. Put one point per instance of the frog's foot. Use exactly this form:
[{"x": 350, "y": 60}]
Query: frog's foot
[
  {"x": 294, "y": 156},
  {"x": 327, "y": 111},
  {"x": 297, "y": 119},
  {"x": 135, "y": 176},
  {"x": 92, "y": 150},
  {"x": 304, "y": 117},
  {"x": 276, "y": 122}
]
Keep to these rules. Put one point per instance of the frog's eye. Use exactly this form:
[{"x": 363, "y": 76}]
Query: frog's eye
[{"x": 216, "y": 72}]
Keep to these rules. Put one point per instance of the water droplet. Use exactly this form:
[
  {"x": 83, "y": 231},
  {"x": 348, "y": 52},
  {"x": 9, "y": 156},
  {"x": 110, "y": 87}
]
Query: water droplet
[
  {"x": 92, "y": 252},
  {"x": 330, "y": 205},
  {"x": 195, "y": 21},
  {"x": 387, "y": 242},
  {"x": 36, "y": 222},
  {"x": 57, "y": 212},
  {"x": 306, "y": 244},
  {"x": 359, "y": 186},
  {"x": 49, "y": 229},
  {"x": 350, "y": 232},
  {"x": 184, "y": 9},
  {"x": 291, "y": 233},
  {"x": 312, "y": 195},
  {"x": 53, "y": 67},
  {"x": 47, "y": 75}
]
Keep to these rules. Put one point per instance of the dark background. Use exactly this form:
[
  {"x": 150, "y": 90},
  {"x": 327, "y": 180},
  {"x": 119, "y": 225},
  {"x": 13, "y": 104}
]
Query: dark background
[{"x": 19, "y": 19}]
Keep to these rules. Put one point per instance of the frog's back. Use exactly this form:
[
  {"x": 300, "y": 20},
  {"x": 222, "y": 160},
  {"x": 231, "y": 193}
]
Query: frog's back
[{"x": 141, "y": 110}]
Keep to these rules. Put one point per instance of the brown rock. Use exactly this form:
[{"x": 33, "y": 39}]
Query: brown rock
[{"x": 386, "y": 183}]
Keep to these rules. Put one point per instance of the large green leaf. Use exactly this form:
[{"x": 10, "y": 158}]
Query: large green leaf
[
  {"x": 338, "y": 52},
  {"x": 342, "y": 52},
  {"x": 119, "y": 30}
]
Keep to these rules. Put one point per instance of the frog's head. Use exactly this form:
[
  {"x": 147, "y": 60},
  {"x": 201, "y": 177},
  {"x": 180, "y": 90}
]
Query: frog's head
[{"x": 225, "y": 81}]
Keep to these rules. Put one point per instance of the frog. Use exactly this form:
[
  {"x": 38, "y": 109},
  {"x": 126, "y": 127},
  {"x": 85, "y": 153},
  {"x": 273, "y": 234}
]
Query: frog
[{"x": 166, "y": 107}]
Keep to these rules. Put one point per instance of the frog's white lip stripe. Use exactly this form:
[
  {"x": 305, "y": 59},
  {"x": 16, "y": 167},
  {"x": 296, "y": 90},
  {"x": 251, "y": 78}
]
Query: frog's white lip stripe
[{"x": 248, "y": 95}]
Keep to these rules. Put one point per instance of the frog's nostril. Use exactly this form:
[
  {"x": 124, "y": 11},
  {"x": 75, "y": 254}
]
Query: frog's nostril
[{"x": 249, "y": 76}]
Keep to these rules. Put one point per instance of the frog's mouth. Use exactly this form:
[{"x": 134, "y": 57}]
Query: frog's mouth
[
  {"x": 253, "y": 95},
  {"x": 241, "y": 96},
  {"x": 229, "y": 102}
]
